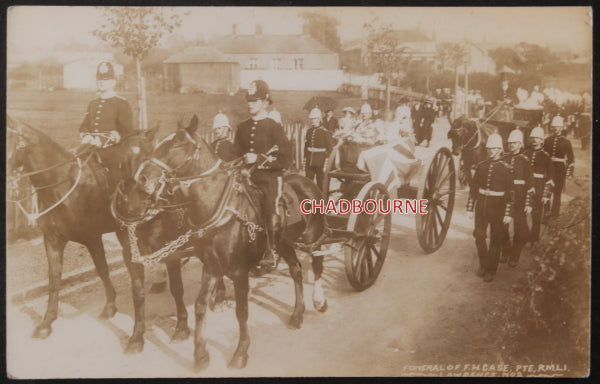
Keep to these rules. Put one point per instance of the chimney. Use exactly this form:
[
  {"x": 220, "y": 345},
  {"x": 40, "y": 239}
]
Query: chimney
[
  {"x": 234, "y": 29},
  {"x": 258, "y": 29}
]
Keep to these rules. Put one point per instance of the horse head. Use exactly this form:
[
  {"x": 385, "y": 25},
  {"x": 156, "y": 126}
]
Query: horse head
[{"x": 463, "y": 132}]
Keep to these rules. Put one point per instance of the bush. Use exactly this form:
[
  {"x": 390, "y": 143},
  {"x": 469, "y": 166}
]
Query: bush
[{"x": 546, "y": 318}]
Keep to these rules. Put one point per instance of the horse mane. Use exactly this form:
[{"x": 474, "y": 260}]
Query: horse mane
[{"x": 40, "y": 137}]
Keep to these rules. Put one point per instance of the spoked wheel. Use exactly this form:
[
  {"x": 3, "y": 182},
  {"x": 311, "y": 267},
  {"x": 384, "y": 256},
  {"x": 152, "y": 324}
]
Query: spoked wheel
[
  {"x": 438, "y": 187},
  {"x": 365, "y": 253}
]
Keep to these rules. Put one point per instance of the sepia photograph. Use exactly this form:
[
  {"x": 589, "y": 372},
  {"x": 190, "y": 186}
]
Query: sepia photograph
[{"x": 232, "y": 191}]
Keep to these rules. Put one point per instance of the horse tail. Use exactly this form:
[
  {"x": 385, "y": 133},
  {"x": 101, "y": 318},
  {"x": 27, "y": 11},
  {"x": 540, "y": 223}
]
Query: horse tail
[{"x": 315, "y": 224}]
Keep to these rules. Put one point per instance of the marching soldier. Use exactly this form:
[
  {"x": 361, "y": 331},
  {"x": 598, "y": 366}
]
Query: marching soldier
[
  {"x": 561, "y": 153},
  {"x": 490, "y": 196},
  {"x": 222, "y": 145},
  {"x": 523, "y": 189},
  {"x": 541, "y": 166},
  {"x": 263, "y": 144},
  {"x": 108, "y": 120},
  {"x": 316, "y": 148}
]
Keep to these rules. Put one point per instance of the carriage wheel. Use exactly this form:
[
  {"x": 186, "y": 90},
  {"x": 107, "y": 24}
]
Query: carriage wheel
[
  {"x": 438, "y": 188},
  {"x": 365, "y": 253},
  {"x": 326, "y": 187}
]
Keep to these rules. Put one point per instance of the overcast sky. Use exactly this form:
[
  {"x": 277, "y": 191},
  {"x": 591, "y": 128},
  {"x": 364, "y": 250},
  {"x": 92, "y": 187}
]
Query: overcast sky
[{"x": 39, "y": 28}]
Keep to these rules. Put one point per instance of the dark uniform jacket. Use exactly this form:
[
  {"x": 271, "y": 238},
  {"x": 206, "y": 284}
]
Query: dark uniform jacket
[
  {"x": 260, "y": 137},
  {"x": 522, "y": 179},
  {"x": 541, "y": 167},
  {"x": 493, "y": 183},
  {"x": 317, "y": 146},
  {"x": 559, "y": 149},
  {"x": 224, "y": 149},
  {"x": 105, "y": 115},
  {"x": 504, "y": 94}
]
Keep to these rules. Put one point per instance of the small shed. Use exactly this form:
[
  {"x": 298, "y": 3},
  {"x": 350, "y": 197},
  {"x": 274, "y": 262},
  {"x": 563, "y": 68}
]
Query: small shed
[
  {"x": 201, "y": 69},
  {"x": 81, "y": 73}
]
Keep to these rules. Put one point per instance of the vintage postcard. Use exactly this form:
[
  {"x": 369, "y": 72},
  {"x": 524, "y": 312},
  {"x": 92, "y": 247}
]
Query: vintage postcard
[{"x": 298, "y": 191}]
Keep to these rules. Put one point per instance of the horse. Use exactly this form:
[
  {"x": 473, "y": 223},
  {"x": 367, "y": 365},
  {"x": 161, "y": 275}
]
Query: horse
[
  {"x": 225, "y": 226},
  {"x": 74, "y": 200},
  {"x": 468, "y": 142}
]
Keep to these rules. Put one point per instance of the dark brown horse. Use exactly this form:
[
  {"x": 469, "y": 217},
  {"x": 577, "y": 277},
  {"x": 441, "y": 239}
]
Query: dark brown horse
[
  {"x": 74, "y": 198},
  {"x": 224, "y": 226},
  {"x": 468, "y": 142}
]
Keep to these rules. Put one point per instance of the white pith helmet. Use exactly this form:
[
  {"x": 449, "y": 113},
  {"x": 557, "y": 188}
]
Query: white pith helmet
[
  {"x": 537, "y": 132},
  {"x": 516, "y": 135},
  {"x": 558, "y": 121},
  {"x": 366, "y": 108},
  {"x": 220, "y": 120},
  {"x": 315, "y": 113},
  {"x": 494, "y": 141}
]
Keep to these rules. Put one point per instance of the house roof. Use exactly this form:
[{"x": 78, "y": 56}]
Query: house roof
[
  {"x": 240, "y": 44},
  {"x": 201, "y": 54},
  {"x": 403, "y": 36}
]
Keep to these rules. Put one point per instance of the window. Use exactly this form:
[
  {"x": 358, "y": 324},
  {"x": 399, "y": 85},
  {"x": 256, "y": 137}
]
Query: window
[
  {"x": 299, "y": 63},
  {"x": 253, "y": 63},
  {"x": 276, "y": 63}
]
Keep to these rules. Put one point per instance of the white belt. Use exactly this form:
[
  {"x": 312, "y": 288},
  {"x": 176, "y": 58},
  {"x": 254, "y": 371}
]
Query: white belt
[
  {"x": 519, "y": 182},
  {"x": 559, "y": 159},
  {"x": 487, "y": 192},
  {"x": 538, "y": 175},
  {"x": 311, "y": 149}
]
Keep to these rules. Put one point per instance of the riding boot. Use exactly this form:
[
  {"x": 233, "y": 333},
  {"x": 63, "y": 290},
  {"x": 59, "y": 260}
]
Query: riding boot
[{"x": 270, "y": 257}]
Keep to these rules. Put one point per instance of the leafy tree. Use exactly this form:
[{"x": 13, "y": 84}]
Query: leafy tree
[
  {"x": 386, "y": 54},
  {"x": 323, "y": 29},
  {"x": 136, "y": 31}
]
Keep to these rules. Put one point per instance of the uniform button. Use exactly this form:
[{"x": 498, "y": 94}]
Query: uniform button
[
  {"x": 96, "y": 123},
  {"x": 254, "y": 122},
  {"x": 253, "y": 128},
  {"x": 251, "y": 149},
  {"x": 95, "y": 130},
  {"x": 100, "y": 106},
  {"x": 251, "y": 141}
]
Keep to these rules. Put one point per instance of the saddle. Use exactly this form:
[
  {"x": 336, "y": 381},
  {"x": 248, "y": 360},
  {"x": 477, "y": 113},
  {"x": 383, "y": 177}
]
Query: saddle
[{"x": 105, "y": 179}]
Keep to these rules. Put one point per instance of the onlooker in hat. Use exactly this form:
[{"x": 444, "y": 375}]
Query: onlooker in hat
[
  {"x": 418, "y": 119},
  {"x": 348, "y": 122},
  {"x": 222, "y": 145},
  {"x": 263, "y": 143},
  {"x": 108, "y": 120},
  {"x": 330, "y": 122},
  {"x": 561, "y": 153},
  {"x": 317, "y": 147},
  {"x": 428, "y": 114}
]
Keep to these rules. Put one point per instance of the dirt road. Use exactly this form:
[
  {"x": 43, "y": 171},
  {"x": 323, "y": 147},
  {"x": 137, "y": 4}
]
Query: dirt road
[{"x": 423, "y": 309}]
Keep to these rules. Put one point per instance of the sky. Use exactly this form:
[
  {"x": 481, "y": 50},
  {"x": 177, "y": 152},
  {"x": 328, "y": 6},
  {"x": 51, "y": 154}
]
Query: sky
[{"x": 37, "y": 29}]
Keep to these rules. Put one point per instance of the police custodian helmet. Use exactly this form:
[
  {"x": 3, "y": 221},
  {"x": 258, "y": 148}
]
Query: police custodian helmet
[
  {"x": 105, "y": 71},
  {"x": 258, "y": 90}
]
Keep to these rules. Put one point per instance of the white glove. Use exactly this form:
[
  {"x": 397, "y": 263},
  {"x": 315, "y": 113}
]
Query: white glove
[
  {"x": 250, "y": 158},
  {"x": 507, "y": 219},
  {"x": 115, "y": 136},
  {"x": 470, "y": 215},
  {"x": 528, "y": 210},
  {"x": 87, "y": 139},
  {"x": 545, "y": 200}
]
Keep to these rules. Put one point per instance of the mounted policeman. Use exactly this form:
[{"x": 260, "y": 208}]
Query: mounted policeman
[{"x": 107, "y": 123}]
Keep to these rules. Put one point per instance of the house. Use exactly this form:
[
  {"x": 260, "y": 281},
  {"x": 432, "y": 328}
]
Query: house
[
  {"x": 81, "y": 73},
  {"x": 285, "y": 62},
  {"x": 201, "y": 69},
  {"x": 419, "y": 47},
  {"x": 479, "y": 59}
]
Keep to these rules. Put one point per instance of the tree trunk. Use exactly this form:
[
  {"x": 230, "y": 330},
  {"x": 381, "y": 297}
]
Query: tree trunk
[
  {"x": 455, "y": 105},
  {"x": 467, "y": 109},
  {"x": 387, "y": 96},
  {"x": 141, "y": 95}
]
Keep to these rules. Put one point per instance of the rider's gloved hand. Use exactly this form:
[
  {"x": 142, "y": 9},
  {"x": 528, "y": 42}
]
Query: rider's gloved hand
[
  {"x": 115, "y": 136},
  {"x": 87, "y": 139},
  {"x": 250, "y": 158},
  {"x": 507, "y": 219}
]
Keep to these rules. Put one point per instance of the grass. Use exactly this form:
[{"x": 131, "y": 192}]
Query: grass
[{"x": 60, "y": 113}]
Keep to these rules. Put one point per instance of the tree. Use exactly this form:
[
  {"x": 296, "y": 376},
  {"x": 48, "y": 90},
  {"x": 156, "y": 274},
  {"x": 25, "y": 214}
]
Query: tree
[
  {"x": 386, "y": 54},
  {"x": 136, "y": 31},
  {"x": 454, "y": 55},
  {"x": 323, "y": 29}
]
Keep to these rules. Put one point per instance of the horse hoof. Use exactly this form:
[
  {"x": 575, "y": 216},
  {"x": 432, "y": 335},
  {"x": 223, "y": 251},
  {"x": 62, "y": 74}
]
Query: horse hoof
[
  {"x": 201, "y": 363},
  {"x": 158, "y": 287},
  {"x": 322, "y": 307},
  {"x": 180, "y": 335},
  {"x": 42, "y": 332},
  {"x": 108, "y": 312},
  {"x": 238, "y": 362},
  {"x": 134, "y": 347},
  {"x": 295, "y": 322}
]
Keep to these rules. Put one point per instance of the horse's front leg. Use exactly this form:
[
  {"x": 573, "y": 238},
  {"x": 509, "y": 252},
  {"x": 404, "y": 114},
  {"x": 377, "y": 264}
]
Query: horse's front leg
[
  {"x": 136, "y": 272},
  {"x": 55, "y": 246},
  {"x": 289, "y": 255},
  {"x": 96, "y": 249},
  {"x": 240, "y": 283},
  {"x": 182, "y": 331},
  {"x": 201, "y": 355}
]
